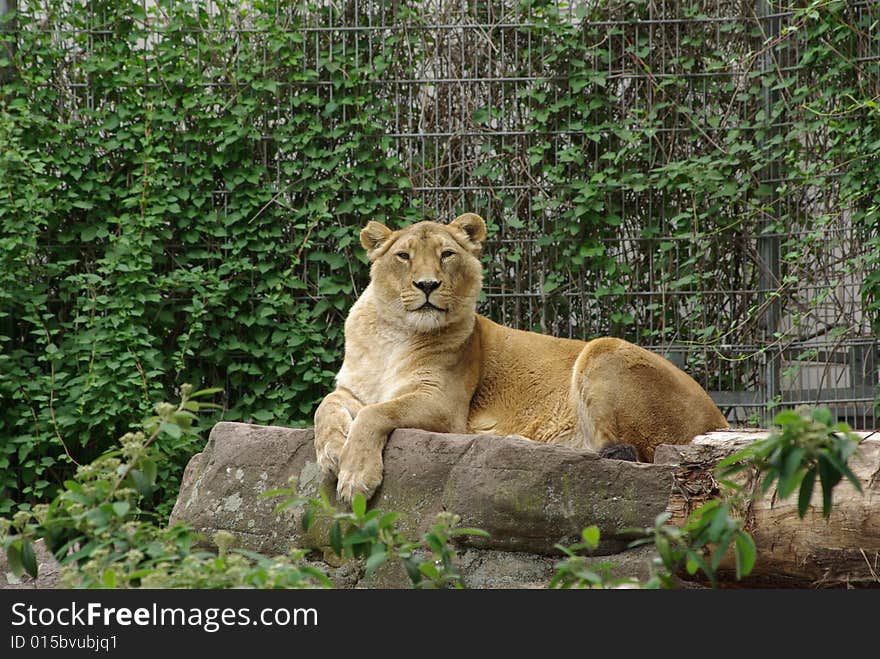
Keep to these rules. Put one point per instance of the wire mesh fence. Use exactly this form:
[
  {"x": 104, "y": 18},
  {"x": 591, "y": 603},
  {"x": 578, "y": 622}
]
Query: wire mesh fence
[{"x": 656, "y": 170}]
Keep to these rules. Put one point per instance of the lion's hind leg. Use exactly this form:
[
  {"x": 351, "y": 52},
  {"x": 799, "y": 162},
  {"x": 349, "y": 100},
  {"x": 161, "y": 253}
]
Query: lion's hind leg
[
  {"x": 333, "y": 420},
  {"x": 597, "y": 430},
  {"x": 624, "y": 394},
  {"x": 594, "y": 396}
]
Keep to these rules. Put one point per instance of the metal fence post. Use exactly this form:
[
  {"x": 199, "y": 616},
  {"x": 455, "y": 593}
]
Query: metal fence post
[
  {"x": 6, "y": 74},
  {"x": 769, "y": 239}
]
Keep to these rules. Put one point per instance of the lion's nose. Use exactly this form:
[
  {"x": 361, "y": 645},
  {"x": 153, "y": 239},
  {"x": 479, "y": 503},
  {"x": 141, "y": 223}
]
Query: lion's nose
[{"x": 427, "y": 286}]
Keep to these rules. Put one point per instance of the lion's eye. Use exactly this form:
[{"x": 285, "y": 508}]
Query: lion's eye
[
  {"x": 403, "y": 256},
  {"x": 446, "y": 254}
]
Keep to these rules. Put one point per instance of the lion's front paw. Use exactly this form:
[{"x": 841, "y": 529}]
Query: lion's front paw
[
  {"x": 350, "y": 483},
  {"x": 328, "y": 458},
  {"x": 360, "y": 471}
]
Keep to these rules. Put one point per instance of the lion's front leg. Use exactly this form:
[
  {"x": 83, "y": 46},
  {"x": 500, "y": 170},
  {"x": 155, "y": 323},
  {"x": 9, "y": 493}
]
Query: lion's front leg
[
  {"x": 360, "y": 464},
  {"x": 333, "y": 420}
]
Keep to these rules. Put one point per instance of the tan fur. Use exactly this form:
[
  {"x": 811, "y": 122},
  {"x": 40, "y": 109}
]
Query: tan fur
[{"x": 447, "y": 369}]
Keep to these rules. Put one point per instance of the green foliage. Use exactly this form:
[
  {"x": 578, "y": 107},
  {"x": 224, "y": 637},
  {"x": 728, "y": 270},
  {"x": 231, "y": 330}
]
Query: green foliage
[
  {"x": 372, "y": 536},
  {"x": 97, "y": 528},
  {"x": 577, "y": 572},
  {"x": 807, "y": 444},
  {"x": 657, "y": 157},
  {"x": 235, "y": 568},
  {"x": 701, "y": 544},
  {"x": 180, "y": 228}
]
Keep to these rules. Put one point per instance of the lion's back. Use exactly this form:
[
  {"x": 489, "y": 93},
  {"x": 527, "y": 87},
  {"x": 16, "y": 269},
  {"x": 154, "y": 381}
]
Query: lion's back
[{"x": 524, "y": 384}]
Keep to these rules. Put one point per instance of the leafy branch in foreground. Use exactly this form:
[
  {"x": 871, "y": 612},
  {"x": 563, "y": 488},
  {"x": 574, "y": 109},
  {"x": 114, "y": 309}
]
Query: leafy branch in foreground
[
  {"x": 374, "y": 537},
  {"x": 575, "y": 571},
  {"x": 806, "y": 444},
  {"x": 236, "y": 568},
  {"x": 98, "y": 530},
  {"x": 700, "y": 544}
]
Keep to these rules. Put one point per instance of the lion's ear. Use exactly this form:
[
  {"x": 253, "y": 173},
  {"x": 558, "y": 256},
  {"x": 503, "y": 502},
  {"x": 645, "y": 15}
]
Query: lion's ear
[
  {"x": 473, "y": 226},
  {"x": 373, "y": 236}
]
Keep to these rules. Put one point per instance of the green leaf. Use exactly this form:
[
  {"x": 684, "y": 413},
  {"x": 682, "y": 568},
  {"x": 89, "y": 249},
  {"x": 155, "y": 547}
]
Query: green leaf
[
  {"x": 720, "y": 550},
  {"x": 412, "y": 571},
  {"x": 138, "y": 574},
  {"x": 29, "y": 558},
  {"x": 565, "y": 550},
  {"x": 481, "y": 115},
  {"x": 206, "y": 392},
  {"x": 828, "y": 478},
  {"x": 359, "y": 505},
  {"x": 141, "y": 483},
  {"x": 308, "y": 518},
  {"x": 731, "y": 469},
  {"x": 806, "y": 492},
  {"x": 693, "y": 556},
  {"x": 788, "y": 476},
  {"x": 171, "y": 429},
  {"x": 336, "y": 539},
  {"x": 435, "y": 543},
  {"x": 720, "y": 522},
  {"x": 729, "y": 484},
  {"x": 787, "y": 417},
  {"x": 480, "y": 533},
  {"x": 822, "y": 415},
  {"x": 149, "y": 469},
  {"x": 121, "y": 509},
  {"x": 591, "y": 536},
  {"x": 355, "y": 537},
  {"x": 276, "y": 492},
  {"x": 736, "y": 459},
  {"x": 843, "y": 470},
  {"x": 314, "y": 572},
  {"x": 430, "y": 570},
  {"x": 664, "y": 551},
  {"x": 13, "y": 558},
  {"x": 109, "y": 579},
  {"x": 376, "y": 559},
  {"x": 746, "y": 552},
  {"x": 388, "y": 520},
  {"x": 769, "y": 477}
]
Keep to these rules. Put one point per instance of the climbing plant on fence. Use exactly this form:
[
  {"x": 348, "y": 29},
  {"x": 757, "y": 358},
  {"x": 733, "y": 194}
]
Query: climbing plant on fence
[
  {"x": 181, "y": 189},
  {"x": 147, "y": 237}
]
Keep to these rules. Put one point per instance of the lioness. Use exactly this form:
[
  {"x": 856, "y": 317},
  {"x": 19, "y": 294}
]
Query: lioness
[{"x": 417, "y": 355}]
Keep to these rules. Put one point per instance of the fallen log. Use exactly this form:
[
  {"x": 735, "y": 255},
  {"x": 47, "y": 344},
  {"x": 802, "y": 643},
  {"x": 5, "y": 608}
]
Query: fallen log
[{"x": 842, "y": 550}]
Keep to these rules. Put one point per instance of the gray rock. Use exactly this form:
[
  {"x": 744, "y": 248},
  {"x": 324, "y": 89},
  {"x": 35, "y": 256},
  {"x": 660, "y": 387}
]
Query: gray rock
[
  {"x": 223, "y": 486},
  {"x": 490, "y": 568},
  {"x": 527, "y": 496},
  {"x": 486, "y": 568}
]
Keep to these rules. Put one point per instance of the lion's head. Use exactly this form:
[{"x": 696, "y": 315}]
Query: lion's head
[{"x": 428, "y": 275}]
